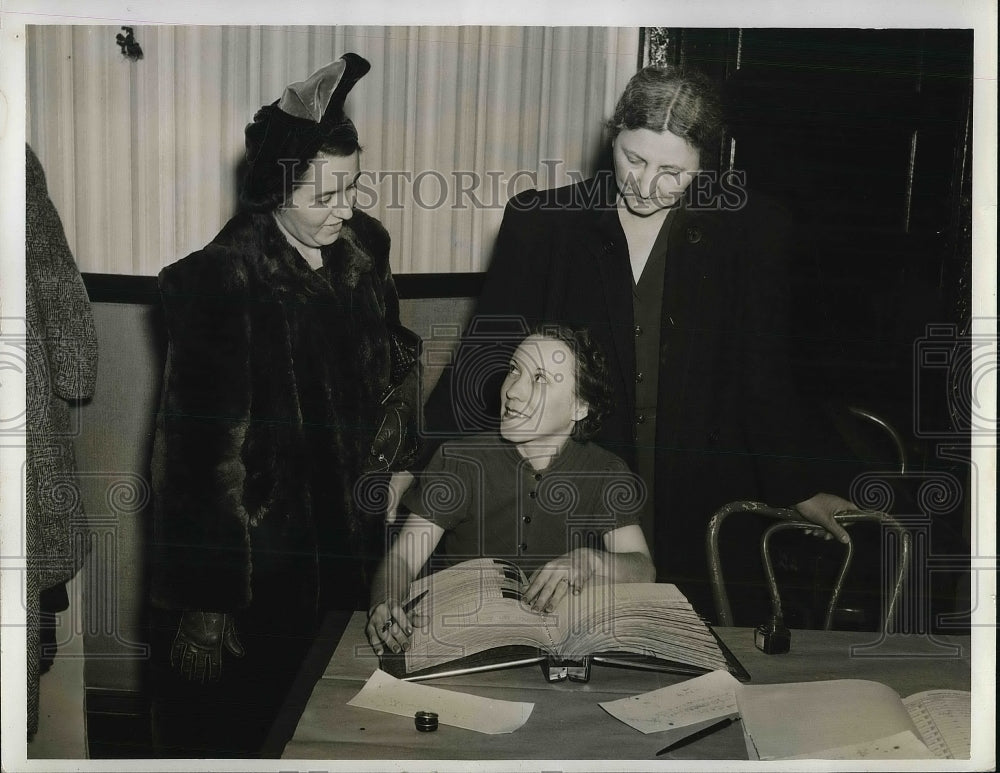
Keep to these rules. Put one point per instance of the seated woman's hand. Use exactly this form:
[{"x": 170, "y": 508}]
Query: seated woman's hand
[
  {"x": 550, "y": 584},
  {"x": 388, "y": 627}
]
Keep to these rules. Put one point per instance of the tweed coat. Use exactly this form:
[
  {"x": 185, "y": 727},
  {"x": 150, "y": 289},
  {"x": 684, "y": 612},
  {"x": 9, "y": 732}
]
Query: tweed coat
[
  {"x": 270, "y": 403},
  {"x": 730, "y": 424},
  {"x": 62, "y": 369}
]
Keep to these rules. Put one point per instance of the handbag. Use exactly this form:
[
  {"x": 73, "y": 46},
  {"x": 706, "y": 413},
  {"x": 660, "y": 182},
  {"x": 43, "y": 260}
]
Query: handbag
[
  {"x": 404, "y": 356},
  {"x": 397, "y": 441}
]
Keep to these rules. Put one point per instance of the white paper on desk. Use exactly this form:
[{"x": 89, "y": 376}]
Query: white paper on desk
[
  {"x": 800, "y": 719},
  {"x": 383, "y": 692},
  {"x": 682, "y": 709},
  {"x": 901, "y": 746}
]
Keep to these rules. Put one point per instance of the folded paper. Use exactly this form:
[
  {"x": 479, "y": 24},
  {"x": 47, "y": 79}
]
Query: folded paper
[{"x": 383, "y": 692}]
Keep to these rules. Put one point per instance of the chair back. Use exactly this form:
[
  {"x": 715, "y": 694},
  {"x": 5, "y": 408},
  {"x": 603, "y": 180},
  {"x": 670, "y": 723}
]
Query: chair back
[{"x": 789, "y": 518}]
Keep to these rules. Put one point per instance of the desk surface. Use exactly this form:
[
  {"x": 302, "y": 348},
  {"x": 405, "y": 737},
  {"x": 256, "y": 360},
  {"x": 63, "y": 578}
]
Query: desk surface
[{"x": 567, "y": 723}]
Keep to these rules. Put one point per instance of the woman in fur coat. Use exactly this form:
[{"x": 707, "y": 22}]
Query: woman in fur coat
[{"x": 287, "y": 377}]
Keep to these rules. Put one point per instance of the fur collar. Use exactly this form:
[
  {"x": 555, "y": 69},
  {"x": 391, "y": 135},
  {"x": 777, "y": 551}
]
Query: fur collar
[{"x": 280, "y": 266}]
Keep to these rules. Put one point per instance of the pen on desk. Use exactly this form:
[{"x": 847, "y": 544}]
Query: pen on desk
[{"x": 696, "y": 736}]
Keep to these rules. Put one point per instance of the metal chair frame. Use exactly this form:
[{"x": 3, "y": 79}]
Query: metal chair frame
[{"x": 790, "y": 518}]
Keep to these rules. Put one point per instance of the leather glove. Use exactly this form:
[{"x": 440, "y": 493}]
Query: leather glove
[
  {"x": 198, "y": 645},
  {"x": 389, "y": 449}
]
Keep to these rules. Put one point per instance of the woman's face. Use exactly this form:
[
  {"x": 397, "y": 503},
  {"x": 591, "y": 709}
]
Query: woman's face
[
  {"x": 652, "y": 169},
  {"x": 539, "y": 405},
  {"x": 322, "y": 200}
]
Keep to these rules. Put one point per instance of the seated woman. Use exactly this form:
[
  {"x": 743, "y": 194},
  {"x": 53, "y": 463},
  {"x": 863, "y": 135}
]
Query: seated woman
[{"x": 540, "y": 494}]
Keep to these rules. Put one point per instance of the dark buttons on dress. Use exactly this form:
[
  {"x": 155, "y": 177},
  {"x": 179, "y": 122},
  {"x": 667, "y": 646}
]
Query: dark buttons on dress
[
  {"x": 538, "y": 476},
  {"x": 640, "y": 418},
  {"x": 693, "y": 235},
  {"x": 713, "y": 436},
  {"x": 533, "y": 494},
  {"x": 638, "y": 377},
  {"x": 526, "y": 518},
  {"x": 523, "y": 546},
  {"x": 638, "y": 330},
  {"x": 609, "y": 247}
]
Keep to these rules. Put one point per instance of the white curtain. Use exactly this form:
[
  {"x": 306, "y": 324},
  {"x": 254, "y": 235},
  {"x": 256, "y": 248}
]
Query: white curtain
[{"x": 141, "y": 156}]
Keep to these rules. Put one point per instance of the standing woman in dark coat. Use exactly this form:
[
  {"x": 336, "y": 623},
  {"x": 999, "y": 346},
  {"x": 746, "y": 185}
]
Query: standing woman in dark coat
[
  {"x": 685, "y": 286},
  {"x": 288, "y": 375}
]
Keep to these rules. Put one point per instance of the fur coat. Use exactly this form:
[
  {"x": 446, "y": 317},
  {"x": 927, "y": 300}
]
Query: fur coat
[
  {"x": 62, "y": 368},
  {"x": 270, "y": 402}
]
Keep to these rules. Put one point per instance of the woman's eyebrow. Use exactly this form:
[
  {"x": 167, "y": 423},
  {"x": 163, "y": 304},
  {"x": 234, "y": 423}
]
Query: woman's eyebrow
[{"x": 352, "y": 183}]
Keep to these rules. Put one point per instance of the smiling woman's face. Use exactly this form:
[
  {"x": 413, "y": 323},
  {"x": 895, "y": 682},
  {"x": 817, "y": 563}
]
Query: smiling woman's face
[
  {"x": 322, "y": 200},
  {"x": 539, "y": 404},
  {"x": 652, "y": 169}
]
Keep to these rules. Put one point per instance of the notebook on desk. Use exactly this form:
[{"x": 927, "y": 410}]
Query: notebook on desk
[{"x": 479, "y": 621}]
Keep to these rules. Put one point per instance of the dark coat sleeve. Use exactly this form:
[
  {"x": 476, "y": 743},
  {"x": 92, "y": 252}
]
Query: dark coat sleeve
[{"x": 202, "y": 537}]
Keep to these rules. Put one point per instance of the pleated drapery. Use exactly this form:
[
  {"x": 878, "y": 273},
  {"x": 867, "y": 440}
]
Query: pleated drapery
[{"x": 142, "y": 156}]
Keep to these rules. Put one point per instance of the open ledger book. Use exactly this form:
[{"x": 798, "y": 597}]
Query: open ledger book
[
  {"x": 853, "y": 719},
  {"x": 479, "y": 621}
]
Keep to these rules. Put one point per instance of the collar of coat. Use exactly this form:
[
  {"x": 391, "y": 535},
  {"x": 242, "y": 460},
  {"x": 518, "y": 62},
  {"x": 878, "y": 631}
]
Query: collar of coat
[{"x": 279, "y": 264}]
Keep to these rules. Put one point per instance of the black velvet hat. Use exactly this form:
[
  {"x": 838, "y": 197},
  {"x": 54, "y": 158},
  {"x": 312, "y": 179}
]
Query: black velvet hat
[{"x": 289, "y": 132}]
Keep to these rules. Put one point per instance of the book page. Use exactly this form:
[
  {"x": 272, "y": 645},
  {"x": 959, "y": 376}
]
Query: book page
[
  {"x": 648, "y": 619},
  {"x": 689, "y": 705},
  {"x": 473, "y": 607},
  {"x": 805, "y": 718},
  {"x": 944, "y": 719}
]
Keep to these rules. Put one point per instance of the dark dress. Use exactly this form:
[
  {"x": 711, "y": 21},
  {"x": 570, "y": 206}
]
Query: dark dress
[
  {"x": 492, "y": 503},
  {"x": 729, "y": 424},
  {"x": 270, "y": 404}
]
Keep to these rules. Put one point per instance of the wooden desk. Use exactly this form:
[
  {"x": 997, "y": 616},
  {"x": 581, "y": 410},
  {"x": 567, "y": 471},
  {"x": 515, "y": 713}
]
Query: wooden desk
[{"x": 567, "y": 723}]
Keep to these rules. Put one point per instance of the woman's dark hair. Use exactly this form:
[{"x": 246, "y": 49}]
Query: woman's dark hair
[
  {"x": 683, "y": 102},
  {"x": 593, "y": 382}
]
